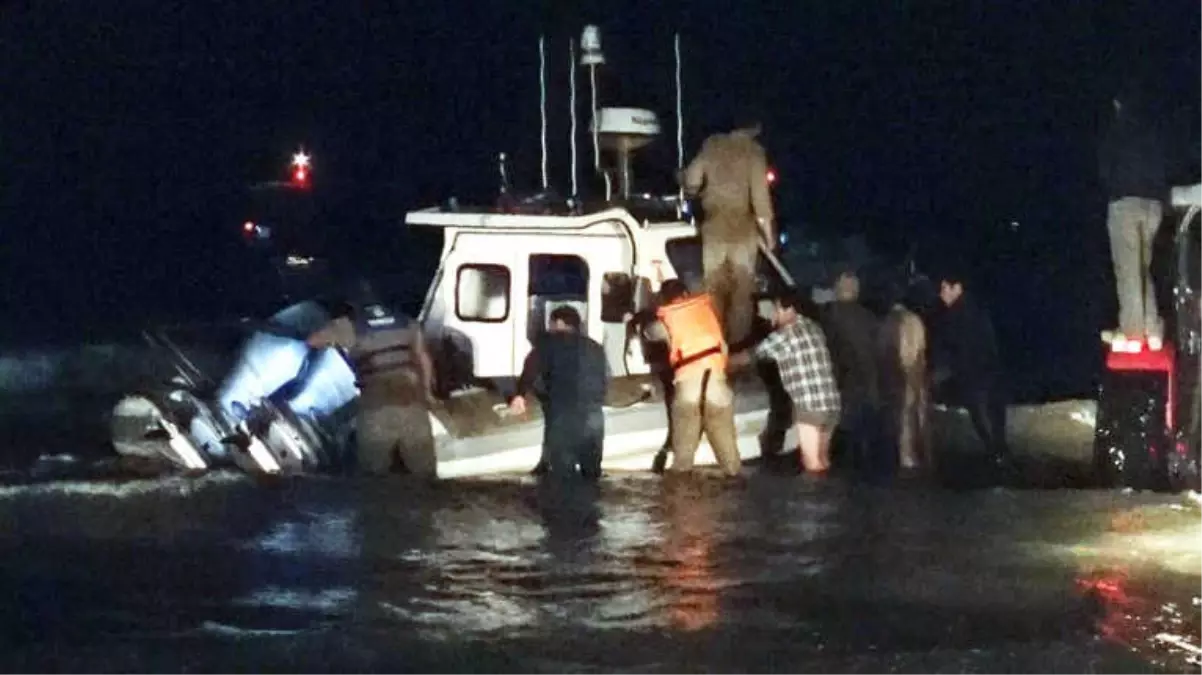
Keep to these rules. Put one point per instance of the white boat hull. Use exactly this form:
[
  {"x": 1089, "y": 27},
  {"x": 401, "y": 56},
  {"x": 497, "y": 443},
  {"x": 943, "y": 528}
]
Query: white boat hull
[{"x": 633, "y": 436}]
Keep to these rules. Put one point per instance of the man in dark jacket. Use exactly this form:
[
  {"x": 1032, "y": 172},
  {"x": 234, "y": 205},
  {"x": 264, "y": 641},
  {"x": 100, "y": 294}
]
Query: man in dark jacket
[
  {"x": 965, "y": 354},
  {"x": 1132, "y": 167},
  {"x": 851, "y": 331},
  {"x": 572, "y": 373}
]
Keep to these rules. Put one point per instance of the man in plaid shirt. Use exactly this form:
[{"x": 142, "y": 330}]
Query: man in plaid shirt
[{"x": 798, "y": 347}]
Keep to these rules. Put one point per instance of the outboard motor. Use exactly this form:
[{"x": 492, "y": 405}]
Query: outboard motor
[
  {"x": 268, "y": 361},
  {"x": 315, "y": 414},
  {"x": 271, "y": 358}
]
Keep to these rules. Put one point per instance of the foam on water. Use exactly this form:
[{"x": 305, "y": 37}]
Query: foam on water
[{"x": 183, "y": 486}]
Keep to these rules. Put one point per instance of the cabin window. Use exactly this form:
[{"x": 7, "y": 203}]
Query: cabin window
[
  {"x": 556, "y": 280},
  {"x": 617, "y": 297},
  {"x": 558, "y": 275},
  {"x": 685, "y": 255},
  {"x": 482, "y": 293}
]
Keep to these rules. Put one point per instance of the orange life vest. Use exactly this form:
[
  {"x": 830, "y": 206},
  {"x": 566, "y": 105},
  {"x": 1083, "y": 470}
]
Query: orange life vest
[{"x": 695, "y": 340}]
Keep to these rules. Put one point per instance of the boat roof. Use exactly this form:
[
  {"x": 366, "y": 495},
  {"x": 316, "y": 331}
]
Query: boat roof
[{"x": 645, "y": 211}]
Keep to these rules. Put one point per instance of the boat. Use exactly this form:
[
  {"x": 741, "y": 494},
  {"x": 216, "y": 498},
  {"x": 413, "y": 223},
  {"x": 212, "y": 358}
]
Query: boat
[{"x": 504, "y": 268}]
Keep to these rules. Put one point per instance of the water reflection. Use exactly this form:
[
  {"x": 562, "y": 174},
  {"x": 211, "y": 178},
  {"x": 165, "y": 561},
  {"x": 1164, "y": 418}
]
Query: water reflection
[
  {"x": 691, "y": 577},
  {"x": 642, "y": 574}
]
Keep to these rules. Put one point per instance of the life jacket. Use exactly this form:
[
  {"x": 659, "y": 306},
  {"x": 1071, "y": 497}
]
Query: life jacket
[
  {"x": 695, "y": 342},
  {"x": 384, "y": 342}
]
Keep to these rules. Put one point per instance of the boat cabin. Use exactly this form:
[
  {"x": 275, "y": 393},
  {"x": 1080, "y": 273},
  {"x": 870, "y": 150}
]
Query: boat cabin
[{"x": 502, "y": 274}]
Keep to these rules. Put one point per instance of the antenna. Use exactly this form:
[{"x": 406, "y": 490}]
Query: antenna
[
  {"x": 501, "y": 160},
  {"x": 542, "y": 102},
  {"x": 591, "y": 56},
  {"x": 679, "y": 123},
  {"x": 572, "y": 80}
]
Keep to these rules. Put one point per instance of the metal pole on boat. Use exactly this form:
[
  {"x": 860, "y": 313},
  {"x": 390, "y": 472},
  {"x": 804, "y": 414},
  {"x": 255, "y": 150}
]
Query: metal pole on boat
[
  {"x": 679, "y": 128},
  {"x": 591, "y": 56},
  {"x": 592, "y": 73},
  {"x": 572, "y": 96},
  {"x": 542, "y": 101}
]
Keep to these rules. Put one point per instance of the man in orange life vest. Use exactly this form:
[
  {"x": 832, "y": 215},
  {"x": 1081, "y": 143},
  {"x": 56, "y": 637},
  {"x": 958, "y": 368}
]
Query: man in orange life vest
[{"x": 702, "y": 400}]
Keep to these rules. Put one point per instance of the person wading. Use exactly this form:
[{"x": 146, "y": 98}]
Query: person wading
[
  {"x": 703, "y": 401},
  {"x": 966, "y": 358},
  {"x": 571, "y": 372},
  {"x": 798, "y": 347},
  {"x": 904, "y": 386},
  {"x": 395, "y": 375},
  {"x": 730, "y": 175},
  {"x": 851, "y": 330}
]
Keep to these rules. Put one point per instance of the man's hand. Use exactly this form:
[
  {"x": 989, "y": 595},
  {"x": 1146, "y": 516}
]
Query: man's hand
[{"x": 517, "y": 405}]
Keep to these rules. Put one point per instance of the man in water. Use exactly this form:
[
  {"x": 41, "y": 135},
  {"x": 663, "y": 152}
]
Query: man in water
[
  {"x": 851, "y": 330},
  {"x": 701, "y": 398},
  {"x": 798, "y": 347},
  {"x": 730, "y": 175},
  {"x": 1132, "y": 167},
  {"x": 965, "y": 355},
  {"x": 395, "y": 381},
  {"x": 904, "y": 387},
  {"x": 572, "y": 372}
]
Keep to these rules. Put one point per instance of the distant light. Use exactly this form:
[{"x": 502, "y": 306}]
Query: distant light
[
  {"x": 248, "y": 227},
  {"x": 301, "y": 163},
  {"x": 1014, "y": 225},
  {"x": 771, "y": 176}
]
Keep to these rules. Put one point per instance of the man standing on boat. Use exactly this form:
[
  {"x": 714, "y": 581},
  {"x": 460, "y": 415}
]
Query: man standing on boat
[
  {"x": 701, "y": 399},
  {"x": 395, "y": 381},
  {"x": 572, "y": 372},
  {"x": 730, "y": 175},
  {"x": 1132, "y": 167}
]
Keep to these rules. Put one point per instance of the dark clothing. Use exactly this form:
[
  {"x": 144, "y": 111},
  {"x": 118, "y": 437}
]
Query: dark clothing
[
  {"x": 858, "y": 440},
  {"x": 574, "y": 441},
  {"x": 986, "y": 407},
  {"x": 964, "y": 346},
  {"x": 571, "y": 374},
  {"x": 965, "y": 355},
  {"x": 1131, "y": 160},
  {"x": 851, "y": 331}
]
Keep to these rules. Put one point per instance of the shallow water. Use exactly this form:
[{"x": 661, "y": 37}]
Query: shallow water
[{"x": 782, "y": 573}]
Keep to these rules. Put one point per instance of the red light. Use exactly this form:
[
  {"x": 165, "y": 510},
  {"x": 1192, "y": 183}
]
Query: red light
[
  {"x": 248, "y": 226},
  {"x": 300, "y": 174},
  {"x": 771, "y": 176}
]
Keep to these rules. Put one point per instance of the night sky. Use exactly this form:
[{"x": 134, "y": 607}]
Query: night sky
[{"x": 130, "y": 129}]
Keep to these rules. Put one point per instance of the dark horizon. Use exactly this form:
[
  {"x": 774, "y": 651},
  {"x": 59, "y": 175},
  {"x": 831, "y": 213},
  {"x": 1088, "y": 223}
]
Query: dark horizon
[{"x": 132, "y": 130}]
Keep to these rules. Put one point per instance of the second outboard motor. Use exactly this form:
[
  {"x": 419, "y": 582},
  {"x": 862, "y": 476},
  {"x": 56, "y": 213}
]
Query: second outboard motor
[
  {"x": 267, "y": 362},
  {"x": 316, "y": 412},
  {"x": 270, "y": 358}
]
